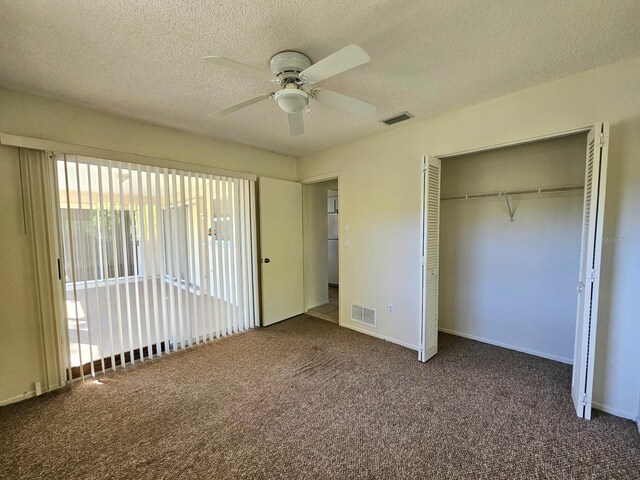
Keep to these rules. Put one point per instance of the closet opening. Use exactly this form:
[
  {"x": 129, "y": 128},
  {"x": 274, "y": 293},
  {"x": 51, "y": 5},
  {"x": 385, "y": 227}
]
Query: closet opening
[
  {"x": 510, "y": 234},
  {"x": 512, "y": 240}
]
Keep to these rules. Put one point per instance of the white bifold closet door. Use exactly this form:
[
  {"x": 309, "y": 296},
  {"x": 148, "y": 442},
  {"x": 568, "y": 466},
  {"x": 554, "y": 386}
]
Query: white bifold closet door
[
  {"x": 589, "y": 276},
  {"x": 428, "y": 346},
  {"x": 154, "y": 260}
]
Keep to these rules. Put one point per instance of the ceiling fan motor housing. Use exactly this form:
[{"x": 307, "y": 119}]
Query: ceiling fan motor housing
[{"x": 288, "y": 65}]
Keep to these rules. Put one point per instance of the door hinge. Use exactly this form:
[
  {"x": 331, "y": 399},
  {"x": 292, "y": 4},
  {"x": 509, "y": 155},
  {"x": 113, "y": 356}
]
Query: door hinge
[
  {"x": 423, "y": 261},
  {"x": 592, "y": 278},
  {"x": 602, "y": 140},
  {"x": 424, "y": 164},
  {"x": 584, "y": 399}
]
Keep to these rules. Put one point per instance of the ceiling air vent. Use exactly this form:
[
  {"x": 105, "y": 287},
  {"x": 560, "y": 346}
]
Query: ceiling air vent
[{"x": 401, "y": 117}]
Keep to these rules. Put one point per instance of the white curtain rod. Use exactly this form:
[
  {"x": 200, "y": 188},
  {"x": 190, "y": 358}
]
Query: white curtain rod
[{"x": 88, "y": 151}]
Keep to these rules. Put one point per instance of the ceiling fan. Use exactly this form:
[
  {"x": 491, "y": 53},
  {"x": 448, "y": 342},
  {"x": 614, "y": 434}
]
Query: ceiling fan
[{"x": 295, "y": 76}]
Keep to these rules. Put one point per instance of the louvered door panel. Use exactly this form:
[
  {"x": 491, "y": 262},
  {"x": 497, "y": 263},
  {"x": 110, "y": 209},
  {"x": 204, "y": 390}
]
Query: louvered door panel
[
  {"x": 589, "y": 274},
  {"x": 430, "y": 258}
]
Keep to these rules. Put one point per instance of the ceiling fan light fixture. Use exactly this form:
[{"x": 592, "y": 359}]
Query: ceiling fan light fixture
[{"x": 292, "y": 100}]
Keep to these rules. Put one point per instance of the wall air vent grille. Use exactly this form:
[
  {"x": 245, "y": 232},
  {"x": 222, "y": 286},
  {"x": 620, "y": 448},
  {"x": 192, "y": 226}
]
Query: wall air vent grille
[
  {"x": 369, "y": 317},
  {"x": 401, "y": 117},
  {"x": 363, "y": 315}
]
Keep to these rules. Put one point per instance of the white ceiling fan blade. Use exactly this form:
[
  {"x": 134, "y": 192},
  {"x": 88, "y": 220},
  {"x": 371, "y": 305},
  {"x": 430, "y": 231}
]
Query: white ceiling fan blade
[
  {"x": 225, "y": 62},
  {"x": 296, "y": 124},
  {"x": 240, "y": 105},
  {"x": 343, "y": 102},
  {"x": 344, "y": 59}
]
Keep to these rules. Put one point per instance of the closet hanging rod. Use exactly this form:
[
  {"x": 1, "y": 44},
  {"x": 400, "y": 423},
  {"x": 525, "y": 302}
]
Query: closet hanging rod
[{"x": 510, "y": 193}]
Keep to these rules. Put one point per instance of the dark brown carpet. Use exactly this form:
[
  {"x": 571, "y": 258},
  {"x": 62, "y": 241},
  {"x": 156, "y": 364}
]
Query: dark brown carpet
[{"x": 308, "y": 399}]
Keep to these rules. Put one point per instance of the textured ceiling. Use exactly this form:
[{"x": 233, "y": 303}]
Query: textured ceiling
[{"x": 141, "y": 59}]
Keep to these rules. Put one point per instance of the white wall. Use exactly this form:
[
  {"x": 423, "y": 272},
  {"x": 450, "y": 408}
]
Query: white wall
[
  {"x": 638, "y": 415},
  {"x": 40, "y": 117},
  {"x": 380, "y": 201},
  {"x": 21, "y": 360},
  {"x": 513, "y": 283}
]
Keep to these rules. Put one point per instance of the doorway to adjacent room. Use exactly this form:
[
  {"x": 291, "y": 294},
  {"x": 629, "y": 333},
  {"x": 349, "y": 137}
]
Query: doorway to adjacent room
[{"x": 322, "y": 245}]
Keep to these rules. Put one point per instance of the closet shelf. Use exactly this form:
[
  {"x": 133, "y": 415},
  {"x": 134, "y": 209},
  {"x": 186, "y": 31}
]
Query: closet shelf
[{"x": 511, "y": 193}]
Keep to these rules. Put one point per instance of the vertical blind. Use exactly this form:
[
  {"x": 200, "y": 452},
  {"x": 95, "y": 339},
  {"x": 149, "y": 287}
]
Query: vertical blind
[{"x": 154, "y": 260}]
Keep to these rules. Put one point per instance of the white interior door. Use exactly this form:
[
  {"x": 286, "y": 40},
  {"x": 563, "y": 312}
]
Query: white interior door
[
  {"x": 281, "y": 255},
  {"x": 589, "y": 276},
  {"x": 428, "y": 343}
]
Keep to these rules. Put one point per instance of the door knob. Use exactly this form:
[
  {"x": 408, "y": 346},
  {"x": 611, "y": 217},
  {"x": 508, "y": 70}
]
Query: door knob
[{"x": 266, "y": 260}]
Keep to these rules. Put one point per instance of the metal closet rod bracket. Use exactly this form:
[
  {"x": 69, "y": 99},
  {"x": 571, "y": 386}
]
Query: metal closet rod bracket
[{"x": 511, "y": 212}]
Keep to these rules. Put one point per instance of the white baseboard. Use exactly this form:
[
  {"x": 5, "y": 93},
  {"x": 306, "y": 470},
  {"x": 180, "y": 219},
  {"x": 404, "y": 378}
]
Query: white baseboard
[
  {"x": 18, "y": 398},
  {"x": 509, "y": 346},
  {"x": 615, "y": 411},
  {"x": 316, "y": 305},
  {"x": 380, "y": 336},
  {"x": 24, "y": 396}
]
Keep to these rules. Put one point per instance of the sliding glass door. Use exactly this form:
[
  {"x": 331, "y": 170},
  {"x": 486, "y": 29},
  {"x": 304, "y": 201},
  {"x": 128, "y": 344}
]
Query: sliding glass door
[{"x": 154, "y": 259}]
